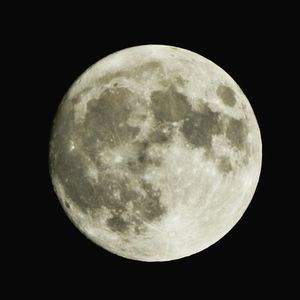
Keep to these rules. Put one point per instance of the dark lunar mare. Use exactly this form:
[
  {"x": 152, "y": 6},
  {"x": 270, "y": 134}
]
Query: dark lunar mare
[
  {"x": 200, "y": 126},
  {"x": 169, "y": 105},
  {"x": 104, "y": 127},
  {"x": 237, "y": 132},
  {"x": 227, "y": 95},
  {"x": 106, "y": 118}
]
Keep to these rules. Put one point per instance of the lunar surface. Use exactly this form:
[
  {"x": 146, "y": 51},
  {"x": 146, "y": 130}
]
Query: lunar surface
[{"x": 155, "y": 153}]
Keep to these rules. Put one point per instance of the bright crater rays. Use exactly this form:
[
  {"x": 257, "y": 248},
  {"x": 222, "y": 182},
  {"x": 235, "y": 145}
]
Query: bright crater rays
[{"x": 155, "y": 153}]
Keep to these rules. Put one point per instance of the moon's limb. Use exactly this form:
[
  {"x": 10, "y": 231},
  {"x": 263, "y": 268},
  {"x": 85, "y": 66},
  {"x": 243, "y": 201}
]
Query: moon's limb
[{"x": 155, "y": 153}]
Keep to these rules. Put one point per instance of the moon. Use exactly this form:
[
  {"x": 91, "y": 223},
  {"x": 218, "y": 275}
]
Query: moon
[{"x": 155, "y": 153}]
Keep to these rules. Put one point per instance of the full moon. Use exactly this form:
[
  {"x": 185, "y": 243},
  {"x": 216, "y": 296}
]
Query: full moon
[{"x": 155, "y": 153}]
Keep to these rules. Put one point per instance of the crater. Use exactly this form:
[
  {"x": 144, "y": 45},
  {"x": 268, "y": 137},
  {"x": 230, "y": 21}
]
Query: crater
[
  {"x": 199, "y": 127},
  {"x": 227, "y": 95},
  {"x": 67, "y": 205},
  {"x": 169, "y": 105}
]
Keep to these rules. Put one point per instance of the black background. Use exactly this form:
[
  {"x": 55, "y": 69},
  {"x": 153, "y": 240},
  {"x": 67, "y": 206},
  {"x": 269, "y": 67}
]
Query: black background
[{"x": 57, "y": 46}]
